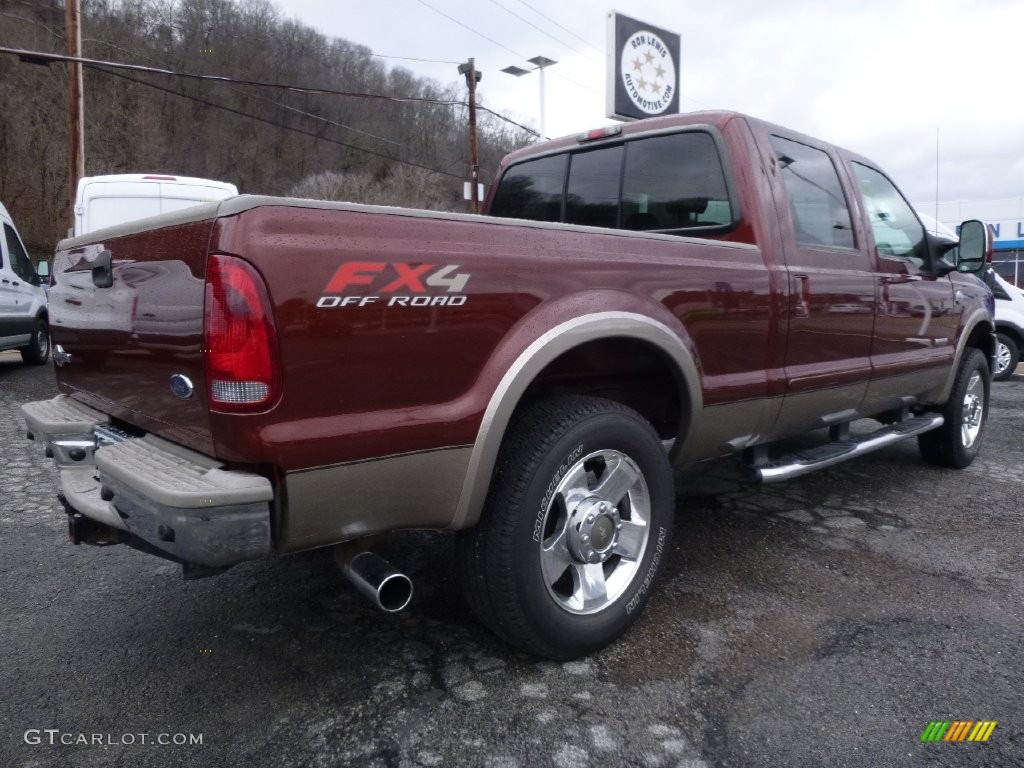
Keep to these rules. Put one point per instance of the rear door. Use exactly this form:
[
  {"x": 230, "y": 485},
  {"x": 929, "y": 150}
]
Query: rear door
[
  {"x": 175, "y": 195},
  {"x": 108, "y": 203},
  {"x": 832, "y": 289}
]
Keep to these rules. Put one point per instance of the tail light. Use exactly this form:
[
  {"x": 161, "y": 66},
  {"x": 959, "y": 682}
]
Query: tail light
[{"x": 243, "y": 370}]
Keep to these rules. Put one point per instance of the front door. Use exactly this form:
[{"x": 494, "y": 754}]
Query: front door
[{"x": 918, "y": 317}]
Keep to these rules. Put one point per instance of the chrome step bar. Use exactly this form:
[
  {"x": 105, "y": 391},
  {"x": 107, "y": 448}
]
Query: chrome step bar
[{"x": 809, "y": 460}]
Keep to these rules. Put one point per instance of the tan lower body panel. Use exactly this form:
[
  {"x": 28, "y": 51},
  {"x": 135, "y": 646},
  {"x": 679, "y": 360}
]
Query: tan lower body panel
[
  {"x": 349, "y": 501},
  {"x": 723, "y": 429}
]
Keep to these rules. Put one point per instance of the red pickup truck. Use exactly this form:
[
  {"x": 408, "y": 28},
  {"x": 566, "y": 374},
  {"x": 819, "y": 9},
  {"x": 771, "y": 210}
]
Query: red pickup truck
[{"x": 266, "y": 375}]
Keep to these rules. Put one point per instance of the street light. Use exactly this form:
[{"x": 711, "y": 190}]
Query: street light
[{"x": 539, "y": 62}]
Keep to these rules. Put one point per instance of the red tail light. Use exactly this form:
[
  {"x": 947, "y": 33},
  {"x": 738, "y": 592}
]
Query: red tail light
[{"x": 243, "y": 370}]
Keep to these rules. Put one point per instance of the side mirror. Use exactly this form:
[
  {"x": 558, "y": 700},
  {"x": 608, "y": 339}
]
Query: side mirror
[
  {"x": 975, "y": 251},
  {"x": 43, "y": 270}
]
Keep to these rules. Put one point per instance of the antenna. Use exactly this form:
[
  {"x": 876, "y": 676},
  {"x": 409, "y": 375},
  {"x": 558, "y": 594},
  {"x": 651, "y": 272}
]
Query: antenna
[{"x": 936, "y": 173}]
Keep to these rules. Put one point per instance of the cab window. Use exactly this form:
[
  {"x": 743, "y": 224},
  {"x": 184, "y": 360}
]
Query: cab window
[
  {"x": 592, "y": 195},
  {"x": 532, "y": 190},
  {"x": 896, "y": 228},
  {"x": 673, "y": 183}
]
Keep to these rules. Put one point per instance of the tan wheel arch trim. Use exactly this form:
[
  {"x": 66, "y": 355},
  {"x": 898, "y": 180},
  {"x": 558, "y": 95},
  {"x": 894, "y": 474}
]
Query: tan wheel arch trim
[
  {"x": 529, "y": 364},
  {"x": 977, "y": 318}
]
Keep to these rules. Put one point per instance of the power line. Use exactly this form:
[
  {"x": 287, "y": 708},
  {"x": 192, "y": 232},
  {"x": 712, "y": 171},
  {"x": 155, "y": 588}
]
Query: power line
[
  {"x": 531, "y": 131},
  {"x": 286, "y": 107},
  {"x": 540, "y": 29},
  {"x": 475, "y": 32},
  {"x": 564, "y": 29},
  {"x": 274, "y": 123},
  {"x": 500, "y": 45},
  {"x": 41, "y": 56}
]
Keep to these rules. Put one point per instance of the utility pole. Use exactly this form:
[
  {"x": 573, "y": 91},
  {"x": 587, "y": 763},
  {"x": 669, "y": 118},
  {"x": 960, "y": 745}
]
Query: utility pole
[
  {"x": 76, "y": 108},
  {"x": 472, "y": 78}
]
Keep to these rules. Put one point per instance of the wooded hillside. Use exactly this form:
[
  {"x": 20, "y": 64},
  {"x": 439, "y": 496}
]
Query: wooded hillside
[{"x": 266, "y": 141}]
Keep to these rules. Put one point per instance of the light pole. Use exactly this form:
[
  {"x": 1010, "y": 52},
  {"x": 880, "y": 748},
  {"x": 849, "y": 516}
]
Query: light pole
[{"x": 539, "y": 63}]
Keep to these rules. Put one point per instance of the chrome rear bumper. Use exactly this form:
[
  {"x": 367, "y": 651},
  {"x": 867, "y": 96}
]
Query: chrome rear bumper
[{"x": 164, "y": 497}]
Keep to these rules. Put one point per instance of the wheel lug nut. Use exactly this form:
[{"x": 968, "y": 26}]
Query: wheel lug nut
[
  {"x": 585, "y": 539},
  {"x": 618, "y": 526},
  {"x": 590, "y": 518},
  {"x": 603, "y": 506}
]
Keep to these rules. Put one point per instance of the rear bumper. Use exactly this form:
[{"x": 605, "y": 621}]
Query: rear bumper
[{"x": 158, "y": 496}]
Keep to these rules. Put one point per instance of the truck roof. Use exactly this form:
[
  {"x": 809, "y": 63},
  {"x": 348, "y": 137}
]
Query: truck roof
[{"x": 715, "y": 118}]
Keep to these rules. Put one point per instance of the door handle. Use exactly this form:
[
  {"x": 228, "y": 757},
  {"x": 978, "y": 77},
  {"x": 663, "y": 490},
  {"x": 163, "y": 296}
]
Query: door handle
[
  {"x": 15, "y": 283},
  {"x": 897, "y": 279},
  {"x": 103, "y": 270},
  {"x": 801, "y": 296}
]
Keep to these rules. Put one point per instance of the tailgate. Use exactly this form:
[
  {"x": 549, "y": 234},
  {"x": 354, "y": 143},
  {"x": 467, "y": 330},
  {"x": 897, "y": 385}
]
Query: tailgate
[{"x": 126, "y": 309}]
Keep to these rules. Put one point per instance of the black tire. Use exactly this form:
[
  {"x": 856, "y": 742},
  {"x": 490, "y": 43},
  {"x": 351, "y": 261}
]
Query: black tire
[
  {"x": 956, "y": 442},
  {"x": 38, "y": 350},
  {"x": 1007, "y": 357},
  {"x": 547, "y": 494}
]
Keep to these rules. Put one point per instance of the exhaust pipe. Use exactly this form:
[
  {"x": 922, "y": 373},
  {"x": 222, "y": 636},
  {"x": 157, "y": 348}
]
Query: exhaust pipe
[{"x": 387, "y": 588}]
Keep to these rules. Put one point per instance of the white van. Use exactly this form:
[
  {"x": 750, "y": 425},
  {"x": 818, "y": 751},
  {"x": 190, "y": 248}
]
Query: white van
[
  {"x": 1009, "y": 315},
  {"x": 23, "y": 312},
  {"x": 103, "y": 201},
  {"x": 1009, "y": 327}
]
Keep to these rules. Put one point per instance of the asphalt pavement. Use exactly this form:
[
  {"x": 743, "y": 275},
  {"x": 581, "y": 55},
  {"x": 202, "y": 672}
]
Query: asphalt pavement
[{"x": 822, "y": 622}]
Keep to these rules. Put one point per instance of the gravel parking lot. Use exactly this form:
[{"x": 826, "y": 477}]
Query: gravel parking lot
[{"x": 824, "y": 622}]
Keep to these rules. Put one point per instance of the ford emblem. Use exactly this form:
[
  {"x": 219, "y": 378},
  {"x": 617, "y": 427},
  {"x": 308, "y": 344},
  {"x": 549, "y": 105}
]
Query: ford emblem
[{"x": 181, "y": 386}]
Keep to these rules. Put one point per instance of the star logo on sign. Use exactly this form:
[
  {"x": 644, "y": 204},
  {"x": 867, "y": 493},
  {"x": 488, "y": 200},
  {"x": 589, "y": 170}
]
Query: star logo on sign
[{"x": 648, "y": 72}]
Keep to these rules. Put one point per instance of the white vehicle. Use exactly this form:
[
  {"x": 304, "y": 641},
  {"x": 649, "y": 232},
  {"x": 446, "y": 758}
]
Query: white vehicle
[
  {"x": 1009, "y": 327},
  {"x": 24, "y": 318},
  {"x": 104, "y": 201},
  {"x": 1009, "y": 311}
]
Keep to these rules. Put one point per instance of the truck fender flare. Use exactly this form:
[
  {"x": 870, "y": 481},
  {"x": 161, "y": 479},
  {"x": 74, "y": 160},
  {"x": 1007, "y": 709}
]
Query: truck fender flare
[
  {"x": 977, "y": 318},
  {"x": 533, "y": 360}
]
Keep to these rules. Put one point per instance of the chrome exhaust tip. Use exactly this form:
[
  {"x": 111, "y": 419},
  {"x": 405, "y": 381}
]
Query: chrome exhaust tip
[{"x": 380, "y": 582}]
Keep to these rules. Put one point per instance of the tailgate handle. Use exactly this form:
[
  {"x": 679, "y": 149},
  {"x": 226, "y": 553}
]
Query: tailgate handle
[{"x": 103, "y": 270}]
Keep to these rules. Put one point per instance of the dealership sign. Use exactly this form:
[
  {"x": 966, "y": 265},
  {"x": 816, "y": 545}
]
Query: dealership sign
[
  {"x": 1007, "y": 234},
  {"x": 643, "y": 69}
]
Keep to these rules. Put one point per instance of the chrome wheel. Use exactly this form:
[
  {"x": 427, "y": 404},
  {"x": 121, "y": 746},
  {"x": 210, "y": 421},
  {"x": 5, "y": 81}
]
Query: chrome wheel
[
  {"x": 595, "y": 531},
  {"x": 37, "y": 352},
  {"x": 1003, "y": 358},
  {"x": 42, "y": 340},
  {"x": 576, "y": 527},
  {"x": 973, "y": 411}
]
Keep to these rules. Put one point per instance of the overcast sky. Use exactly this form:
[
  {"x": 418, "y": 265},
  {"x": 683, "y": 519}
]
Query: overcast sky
[{"x": 890, "y": 79}]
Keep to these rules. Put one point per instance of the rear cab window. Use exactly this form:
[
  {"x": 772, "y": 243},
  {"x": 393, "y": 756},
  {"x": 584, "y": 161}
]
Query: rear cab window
[
  {"x": 670, "y": 183},
  {"x": 817, "y": 205}
]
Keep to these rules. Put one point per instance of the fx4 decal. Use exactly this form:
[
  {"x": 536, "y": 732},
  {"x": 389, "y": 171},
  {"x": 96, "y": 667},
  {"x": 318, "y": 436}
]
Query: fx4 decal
[{"x": 389, "y": 278}]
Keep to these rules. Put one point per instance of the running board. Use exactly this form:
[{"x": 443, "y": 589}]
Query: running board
[{"x": 811, "y": 459}]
